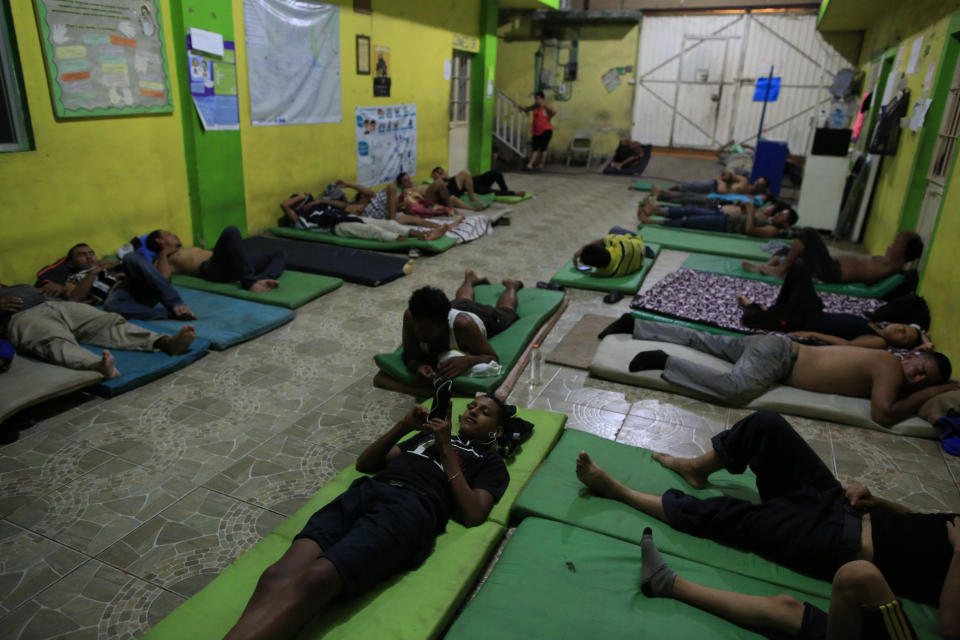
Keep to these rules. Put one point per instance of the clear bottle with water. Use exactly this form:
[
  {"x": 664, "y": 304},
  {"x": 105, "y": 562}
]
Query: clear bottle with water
[{"x": 536, "y": 366}]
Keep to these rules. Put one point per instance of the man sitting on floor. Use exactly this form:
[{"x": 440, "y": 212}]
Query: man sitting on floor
[
  {"x": 620, "y": 253},
  {"x": 729, "y": 182},
  {"x": 872, "y": 549},
  {"x": 228, "y": 262},
  {"x": 303, "y": 212},
  {"x": 133, "y": 287},
  {"x": 772, "y": 221},
  {"x": 386, "y": 524},
  {"x": 627, "y": 157},
  {"x": 483, "y": 183},
  {"x": 436, "y": 328},
  {"x": 51, "y": 330},
  {"x": 809, "y": 247},
  {"x": 896, "y": 388}
]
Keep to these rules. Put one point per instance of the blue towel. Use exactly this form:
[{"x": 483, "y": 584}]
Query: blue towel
[{"x": 950, "y": 436}]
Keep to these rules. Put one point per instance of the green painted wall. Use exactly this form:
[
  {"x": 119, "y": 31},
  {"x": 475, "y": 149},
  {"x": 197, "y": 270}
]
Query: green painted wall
[
  {"x": 213, "y": 158},
  {"x": 482, "y": 105},
  {"x": 608, "y": 115}
]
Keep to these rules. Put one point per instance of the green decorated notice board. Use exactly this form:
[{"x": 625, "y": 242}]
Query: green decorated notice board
[{"x": 104, "y": 57}]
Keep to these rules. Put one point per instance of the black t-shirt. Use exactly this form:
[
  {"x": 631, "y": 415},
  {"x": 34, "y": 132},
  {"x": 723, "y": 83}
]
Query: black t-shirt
[
  {"x": 420, "y": 468},
  {"x": 58, "y": 273},
  {"x": 842, "y": 325},
  {"x": 454, "y": 188},
  {"x": 913, "y": 552}
]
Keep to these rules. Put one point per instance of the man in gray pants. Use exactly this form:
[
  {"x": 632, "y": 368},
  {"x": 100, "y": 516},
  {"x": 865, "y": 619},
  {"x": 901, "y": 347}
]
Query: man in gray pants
[{"x": 896, "y": 388}]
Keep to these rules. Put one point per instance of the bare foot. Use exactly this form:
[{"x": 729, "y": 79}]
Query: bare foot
[
  {"x": 433, "y": 234},
  {"x": 182, "y": 312},
  {"x": 262, "y": 286},
  {"x": 750, "y": 267},
  {"x": 519, "y": 194},
  {"x": 105, "y": 366},
  {"x": 510, "y": 283},
  {"x": 175, "y": 345},
  {"x": 744, "y": 301},
  {"x": 773, "y": 270},
  {"x": 684, "y": 466},
  {"x": 470, "y": 277},
  {"x": 654, "y": 191},
  {"x": 597, "y": 480}
]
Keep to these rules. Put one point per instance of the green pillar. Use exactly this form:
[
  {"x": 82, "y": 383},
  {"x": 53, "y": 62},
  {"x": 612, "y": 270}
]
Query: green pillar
[
  {"x": 482, "y": 102},
  {"x": 213, "y": 158}
]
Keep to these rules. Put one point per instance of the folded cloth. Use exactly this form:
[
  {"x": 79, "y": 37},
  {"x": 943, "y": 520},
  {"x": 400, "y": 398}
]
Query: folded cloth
[{"x": 482, "y": 370}]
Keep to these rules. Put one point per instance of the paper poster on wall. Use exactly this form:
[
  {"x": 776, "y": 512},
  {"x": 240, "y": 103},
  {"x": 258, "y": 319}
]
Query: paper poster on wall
[
  {"x": 213, "y": 86},
  {"x": 386, "y": 143},
  {"x": 381, "y": 72},
  {"x": 104, "y": 58},
  {"x": 293, "y": 61}
]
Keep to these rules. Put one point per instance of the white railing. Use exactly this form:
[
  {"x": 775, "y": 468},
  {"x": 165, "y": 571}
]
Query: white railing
[{"x": 511, "y": 125}]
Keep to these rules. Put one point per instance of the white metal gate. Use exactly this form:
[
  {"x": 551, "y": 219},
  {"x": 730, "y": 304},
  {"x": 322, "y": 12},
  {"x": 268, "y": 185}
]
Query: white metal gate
[{"x": 696, "y": 75}]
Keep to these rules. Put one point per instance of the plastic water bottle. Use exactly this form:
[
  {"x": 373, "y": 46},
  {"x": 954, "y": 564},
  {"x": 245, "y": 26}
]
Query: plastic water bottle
[{"x": 536, "y": 366}]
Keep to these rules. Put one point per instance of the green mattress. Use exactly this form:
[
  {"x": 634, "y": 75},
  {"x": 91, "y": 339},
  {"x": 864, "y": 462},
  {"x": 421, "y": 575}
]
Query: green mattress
[
  {"x": 513, "y": 199},
  {"x": 570, "y": 277},
  {"x": 731, "y": 267},
  {"x": 430, "y": 246},
  {"x": 412, "y": 605},
  {"x": 555, "y": 580},
  {"x": 296, "y": 288},
  {"x": 555, "y": 493},
  {"x": 656, "y": 317},
  {"x": 723, "y": 244},
  {"x": 534, "y": 306},
  {"x": 645, "y": 185}
]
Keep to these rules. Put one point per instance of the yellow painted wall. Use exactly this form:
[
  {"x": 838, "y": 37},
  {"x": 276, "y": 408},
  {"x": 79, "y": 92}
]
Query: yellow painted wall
[
  {"x": 278, "y": 161},
  {"x": 942, "y": 273},
  {"x": 607, "y": 115},
  {"x": 896, "y": 172},
  {"x": 100, "y": 180}
]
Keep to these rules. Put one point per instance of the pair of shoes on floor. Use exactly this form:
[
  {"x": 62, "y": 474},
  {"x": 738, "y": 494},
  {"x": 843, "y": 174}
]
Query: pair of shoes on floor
[{"x": 553, "y": 286}]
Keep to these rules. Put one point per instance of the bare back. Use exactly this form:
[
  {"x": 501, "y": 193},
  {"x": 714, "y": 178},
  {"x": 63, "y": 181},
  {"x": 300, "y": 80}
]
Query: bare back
[
  {"x": 848, "y": 371},
  {"x": 868, "y": 269},
  {"x": 187, "y": 260}
]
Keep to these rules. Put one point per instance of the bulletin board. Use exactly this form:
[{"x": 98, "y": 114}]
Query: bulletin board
[
  {"x": 386, "y": 143},
  {"x": 104, "y": 58}
]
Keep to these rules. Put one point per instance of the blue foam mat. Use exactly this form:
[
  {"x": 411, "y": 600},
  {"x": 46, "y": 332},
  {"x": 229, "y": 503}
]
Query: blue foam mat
[
  {"x": 140, "y": 367},
  {"x": 223, "y": 320}
]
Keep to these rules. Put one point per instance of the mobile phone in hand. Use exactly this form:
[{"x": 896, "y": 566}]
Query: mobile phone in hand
[{"x": 441, "y": 400}]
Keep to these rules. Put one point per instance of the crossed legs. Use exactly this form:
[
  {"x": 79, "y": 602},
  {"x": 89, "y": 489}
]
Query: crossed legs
[{"x": 507, "y": 299}]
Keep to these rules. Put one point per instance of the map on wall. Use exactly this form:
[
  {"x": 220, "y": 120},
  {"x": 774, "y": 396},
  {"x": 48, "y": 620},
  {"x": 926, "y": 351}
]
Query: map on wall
[
  {"x": 293, "y": 61},
  {"x": 105, "y": 57},
  {"x": 386, "y": 143}
]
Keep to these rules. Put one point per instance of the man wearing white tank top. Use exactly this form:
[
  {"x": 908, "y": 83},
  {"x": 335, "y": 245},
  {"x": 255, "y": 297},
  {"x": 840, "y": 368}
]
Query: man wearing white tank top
[{"x": 434, "y": 325}]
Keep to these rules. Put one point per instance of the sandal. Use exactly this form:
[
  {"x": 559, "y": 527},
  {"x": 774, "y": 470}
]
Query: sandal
[{"x": 553, "y": 286}]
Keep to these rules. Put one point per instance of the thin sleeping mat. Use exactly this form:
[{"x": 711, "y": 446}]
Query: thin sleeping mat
[
  {"x": 689, "y": 324},
  {"x": 571, "y": 277},
  {"x": 732, "y": 267},
  {"x": 646, "y": 185},
  {"x": 430, "y": 246},
  {"x": 513, "y": 199},
  {"x": 296, "y": 289},
  {"x": 556, "y": 580},
  {"x": 724, "y": 244},
  {"x": 223, "y": 320},
  {"x": 353, "y": 265},
  {"x": 28, "y": 382},
  {"x": 615, "y": 352},
  {"x": 137, "y": 368}
]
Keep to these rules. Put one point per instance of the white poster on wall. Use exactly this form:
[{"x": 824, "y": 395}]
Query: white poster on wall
[
  {"x": 293, "y": 61},
  {"x": 386, "y": 143}
]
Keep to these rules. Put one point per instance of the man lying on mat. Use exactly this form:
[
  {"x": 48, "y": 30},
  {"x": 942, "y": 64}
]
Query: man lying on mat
[
  {"x": 771, "y": 221},
  {"x": 228, "y": 262},
  {"x": 728, "y": 182},
  {"x": 896, "y": 388},
  {"x": 133, "y": 287},
  {"x": 386, "y": 524},
  {"x": 799, "y": 311},
  {"x": 872, "y": 549},
  {"x": 809, "y": 248},
  {"x": 51, "y": 330},
  {"x": 436, "y": 192},
  {"x": 619, "y": 253},
  {"x": 433, "y": 325},
  {"x": 303, "y": 212}
]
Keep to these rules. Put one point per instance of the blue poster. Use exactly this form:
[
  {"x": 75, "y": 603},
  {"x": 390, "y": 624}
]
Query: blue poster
[
  {"x": 760, "y": 93},
  {"x": 213, "y": 86}
]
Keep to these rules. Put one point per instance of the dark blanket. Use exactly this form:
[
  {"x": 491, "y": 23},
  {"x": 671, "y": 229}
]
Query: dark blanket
[
  {"x": 353, "y": 265},
  {"x": 710, "y": 298}
]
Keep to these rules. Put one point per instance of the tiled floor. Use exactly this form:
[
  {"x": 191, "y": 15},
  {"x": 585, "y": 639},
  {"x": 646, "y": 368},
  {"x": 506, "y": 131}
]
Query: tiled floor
[{"x": 112, "y": 512}]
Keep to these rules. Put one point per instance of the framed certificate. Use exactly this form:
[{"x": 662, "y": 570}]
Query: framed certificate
[{"x": 363, "y": 55}]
